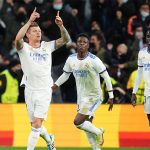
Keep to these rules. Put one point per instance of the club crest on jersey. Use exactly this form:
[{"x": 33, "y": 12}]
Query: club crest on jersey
[{"x": 87, "y": 65}]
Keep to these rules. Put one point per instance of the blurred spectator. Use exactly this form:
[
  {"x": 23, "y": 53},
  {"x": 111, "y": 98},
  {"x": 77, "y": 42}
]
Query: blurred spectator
[
  {"x": 140, "y": 92},
  {"x": 9, "y": 81},
  {"x": 103, "y": 13},
  {"x": 118, "y": 28},
  {"x": 47, "y": 20},
  {"x": 1, "y": 3},
  {"x": 110, "y": 53},
  {"x": 120, "y": 95},
  {"x": 127, "y": 8},
  {"x": 141, "y": 18},
  {"x": 7, "y": 14},
  {"x": 13, "y": 52},
  {"x": 14, "y": 16},
  {"x": 95, "y": 27},
  {"x": 82, "y": 9},
  {"x": 2, "y": 34},
  {"x": 138, "y": 42},
  {"x": 96, "y": 46},
  {"x": 125, "y": 62},
  {"x": 3, "y": 62}
]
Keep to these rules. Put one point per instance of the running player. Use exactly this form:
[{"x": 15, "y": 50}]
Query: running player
[
  {"x": 35, "y": 59},
  {"x": 143, "y": 71},
  {"x": 87, "y": 69}
]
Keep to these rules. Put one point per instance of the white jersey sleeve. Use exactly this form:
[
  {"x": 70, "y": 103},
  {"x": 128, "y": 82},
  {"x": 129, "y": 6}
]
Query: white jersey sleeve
[
  {"x": 67, "y": 68},
  {"x": 51, "y": 45},
  {"x": 99, "y": 66},
  {"x": 140, "y": 64}
]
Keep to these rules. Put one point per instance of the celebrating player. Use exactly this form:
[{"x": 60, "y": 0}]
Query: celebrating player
[
  {"x": 86, "y": 69},
  {"x": 143, "y": 71},
  {"x": 35, "y": 59}
]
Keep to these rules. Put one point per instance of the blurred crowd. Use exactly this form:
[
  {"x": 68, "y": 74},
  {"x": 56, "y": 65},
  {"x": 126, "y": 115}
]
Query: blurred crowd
[{"x": 116, "y": 29}]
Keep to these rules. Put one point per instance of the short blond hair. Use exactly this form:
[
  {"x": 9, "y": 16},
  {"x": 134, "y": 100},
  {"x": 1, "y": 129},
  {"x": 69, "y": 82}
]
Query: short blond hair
[{"x": 33, "y": 24}]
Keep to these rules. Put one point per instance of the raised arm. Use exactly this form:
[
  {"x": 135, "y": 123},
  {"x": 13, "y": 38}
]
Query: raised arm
[
  {"x": 21, "y": 33},
  {"x": 65, "y": 38}
]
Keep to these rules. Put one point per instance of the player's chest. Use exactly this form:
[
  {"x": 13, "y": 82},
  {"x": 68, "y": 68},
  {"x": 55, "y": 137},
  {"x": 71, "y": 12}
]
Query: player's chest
[
  {"x": 77, "y": 64},
  {"x": 145, "y": 58},
  {"x": 38, "y": 55},
  {"x": 82, "y": 68},
  {"x": 146, "y": 62}
]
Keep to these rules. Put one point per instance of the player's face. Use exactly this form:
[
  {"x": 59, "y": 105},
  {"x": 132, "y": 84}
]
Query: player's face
[
  {"x": 82, "y": 44},
  {"x": 34, "y": 34},
  {"x": 148, "y": 37}
]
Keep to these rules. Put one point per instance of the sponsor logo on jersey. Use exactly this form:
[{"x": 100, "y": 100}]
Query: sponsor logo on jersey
[
  {"x": 146, "y": 67},
  {"x": 81, "y": 73},
  {"x": 39, "y": 57}
]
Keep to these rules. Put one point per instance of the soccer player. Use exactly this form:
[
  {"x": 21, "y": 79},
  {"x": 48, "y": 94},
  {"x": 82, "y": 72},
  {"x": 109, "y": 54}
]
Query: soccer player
[
  {"x": 143, "y": 71},
  {"x": 35, "y": 59},
  {"x": 87, "y": 69}
]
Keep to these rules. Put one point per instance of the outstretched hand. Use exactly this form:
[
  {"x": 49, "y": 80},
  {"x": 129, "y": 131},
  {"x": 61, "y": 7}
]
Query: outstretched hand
[
  {"x": 58, "y": 20},
  {"x": 110, "y": 102},
  {"x": 34, "y": 15}
]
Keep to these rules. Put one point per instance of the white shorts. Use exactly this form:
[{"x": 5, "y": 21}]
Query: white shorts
[
  {"x": 87, "y": 107},
  {"x": 37, "y": 103},
  {"x": 147, "y": 104}
]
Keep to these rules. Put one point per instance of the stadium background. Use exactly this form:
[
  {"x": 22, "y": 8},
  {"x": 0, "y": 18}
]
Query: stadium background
[{"x": 109, "y": 23}]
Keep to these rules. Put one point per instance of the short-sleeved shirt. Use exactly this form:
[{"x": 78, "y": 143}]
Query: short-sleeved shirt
[
  {"x": 86, "y": 73},
  {"x": 36, "y": 65},
  {"x": 144, "y": 62}
]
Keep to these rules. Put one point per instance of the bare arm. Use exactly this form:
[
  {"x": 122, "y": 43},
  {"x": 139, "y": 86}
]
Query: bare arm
[
  {"x": 65, "y": 38},
  {"x": 21, "y": 33}
]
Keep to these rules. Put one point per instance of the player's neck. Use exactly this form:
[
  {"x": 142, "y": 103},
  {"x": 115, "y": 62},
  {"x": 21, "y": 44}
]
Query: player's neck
[
  {"x": 82, "y": 55},
  {"x": 34, "y": 44}
]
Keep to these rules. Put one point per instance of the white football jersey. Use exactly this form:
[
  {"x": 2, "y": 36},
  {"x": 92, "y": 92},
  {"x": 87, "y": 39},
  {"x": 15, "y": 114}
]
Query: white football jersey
[
  {"x": 144, "y": 62},
  {"x": 36, "y": 65},
  {"x": 87, "y": 75}
]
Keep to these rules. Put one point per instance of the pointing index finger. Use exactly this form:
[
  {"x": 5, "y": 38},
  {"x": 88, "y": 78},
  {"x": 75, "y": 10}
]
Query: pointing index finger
[
  {"x": 57, "y": 13},
  {"x": 34, "y": 9}
]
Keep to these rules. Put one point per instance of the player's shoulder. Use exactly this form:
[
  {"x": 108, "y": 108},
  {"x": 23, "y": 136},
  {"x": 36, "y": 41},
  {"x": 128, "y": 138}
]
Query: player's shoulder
[
  {"x": 143, "y": 50},
  {"x": 45, "y": 43},
  {"x": 72, "y": 56},
  {"x": 24, "y": 48},
  {"x": 92, "y": 56}
]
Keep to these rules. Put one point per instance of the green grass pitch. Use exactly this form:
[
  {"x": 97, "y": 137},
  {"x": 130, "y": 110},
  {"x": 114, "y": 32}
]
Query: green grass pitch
[{"x": 22, "y": 148}]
